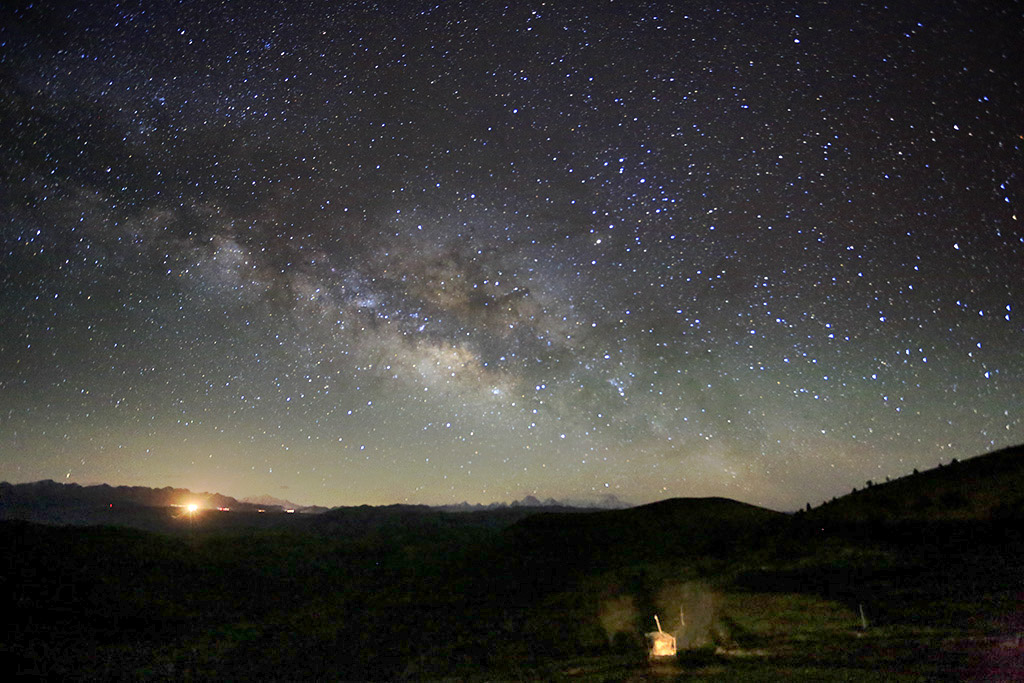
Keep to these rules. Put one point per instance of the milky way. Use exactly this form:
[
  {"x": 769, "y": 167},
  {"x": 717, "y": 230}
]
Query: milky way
[{"x": 364, "y": 252}]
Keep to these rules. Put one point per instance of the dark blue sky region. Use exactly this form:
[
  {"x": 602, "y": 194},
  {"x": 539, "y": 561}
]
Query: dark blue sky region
[{"x": 366, "y": 252}]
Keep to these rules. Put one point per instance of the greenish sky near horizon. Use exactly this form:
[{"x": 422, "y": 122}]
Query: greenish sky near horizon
[{"x": 348, "y": 253}]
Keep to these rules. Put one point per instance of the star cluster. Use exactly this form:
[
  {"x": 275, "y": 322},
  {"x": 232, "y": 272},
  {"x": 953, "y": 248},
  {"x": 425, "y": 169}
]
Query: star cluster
[{"x": 428, "y": 252}]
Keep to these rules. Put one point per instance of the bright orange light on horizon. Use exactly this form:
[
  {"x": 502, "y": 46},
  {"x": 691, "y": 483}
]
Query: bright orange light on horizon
[{"x": 192, "y": 507}]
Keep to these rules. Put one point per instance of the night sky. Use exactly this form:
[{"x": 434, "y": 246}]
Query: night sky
[{"x": 381, "y": 252}]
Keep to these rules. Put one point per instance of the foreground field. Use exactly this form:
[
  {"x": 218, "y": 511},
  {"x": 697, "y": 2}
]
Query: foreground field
[
  {"x": 469, "y": 602},
  {"x": 865, "y": 589}
]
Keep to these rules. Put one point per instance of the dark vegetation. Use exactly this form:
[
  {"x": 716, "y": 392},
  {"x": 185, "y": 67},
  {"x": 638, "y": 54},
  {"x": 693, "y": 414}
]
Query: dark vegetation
[{"x": 521, "y": 594}]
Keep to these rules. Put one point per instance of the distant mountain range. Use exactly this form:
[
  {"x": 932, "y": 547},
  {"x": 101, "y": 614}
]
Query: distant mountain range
[
  {"x": 268, "y": 501},
  {"x": 605, "y": 502},
  {"x": 50, "y": 493},
  {"x": 50, "y": 502},
  {"x": 986, "y": 487}
]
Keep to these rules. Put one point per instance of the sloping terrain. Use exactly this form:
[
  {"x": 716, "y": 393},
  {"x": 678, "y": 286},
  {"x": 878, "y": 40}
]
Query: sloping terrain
[{"x": 988, "y": 487}]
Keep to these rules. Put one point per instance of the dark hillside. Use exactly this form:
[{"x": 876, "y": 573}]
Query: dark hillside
[
  {"x": 679, "y": 527},
  {"x": 987, "y": 487},
  {"x": 422, "y": 519},
  {"x": 662, "y": 528}
]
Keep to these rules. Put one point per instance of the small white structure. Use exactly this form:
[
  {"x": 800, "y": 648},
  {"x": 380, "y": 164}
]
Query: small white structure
[{"x": 661, "y": 644}]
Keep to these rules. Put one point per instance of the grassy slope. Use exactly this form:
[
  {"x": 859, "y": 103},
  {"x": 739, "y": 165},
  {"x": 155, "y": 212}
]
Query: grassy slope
[{"x": 985, "y": 487}]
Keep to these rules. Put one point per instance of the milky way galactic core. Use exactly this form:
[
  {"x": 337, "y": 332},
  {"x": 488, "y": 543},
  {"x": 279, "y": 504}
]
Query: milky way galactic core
[{"x": 361, "y": 252}]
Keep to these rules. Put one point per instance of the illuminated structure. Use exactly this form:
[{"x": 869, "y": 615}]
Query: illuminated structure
[{"x": 661, "y": 644}]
